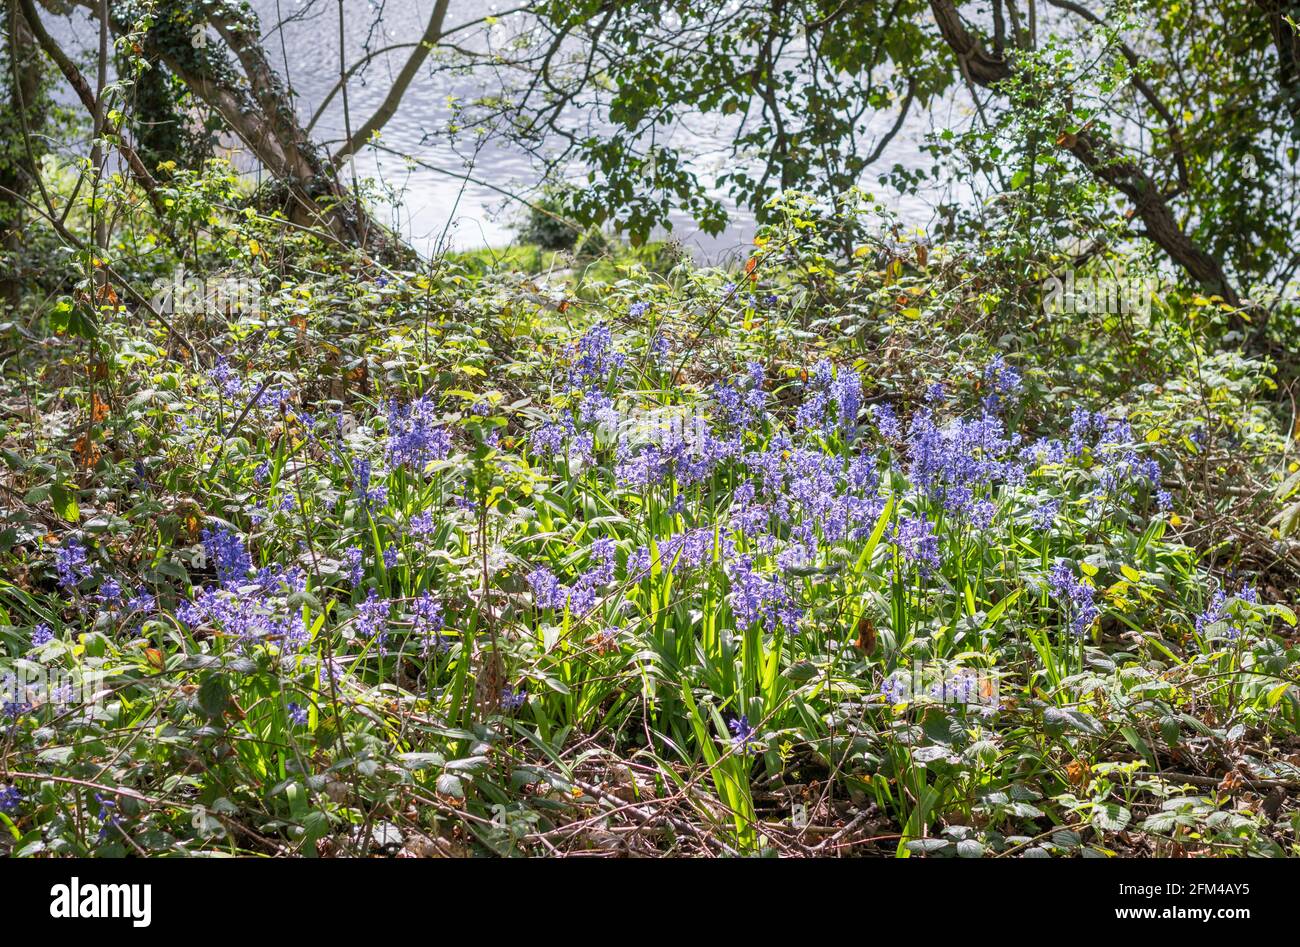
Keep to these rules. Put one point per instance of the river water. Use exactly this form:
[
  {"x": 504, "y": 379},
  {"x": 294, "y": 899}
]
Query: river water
[{"x": 429, "y": 200}]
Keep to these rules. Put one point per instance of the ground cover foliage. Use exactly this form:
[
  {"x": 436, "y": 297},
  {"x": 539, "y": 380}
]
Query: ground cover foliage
[{"x": 525, "y": 553}]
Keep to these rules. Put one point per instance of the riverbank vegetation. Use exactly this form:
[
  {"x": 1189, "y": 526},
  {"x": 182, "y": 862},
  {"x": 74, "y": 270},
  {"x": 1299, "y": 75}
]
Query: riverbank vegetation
[{"x": 874, "y": 541}]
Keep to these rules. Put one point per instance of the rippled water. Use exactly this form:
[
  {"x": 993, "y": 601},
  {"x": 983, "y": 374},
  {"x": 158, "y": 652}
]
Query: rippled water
[{"x": 431, "y": 200}]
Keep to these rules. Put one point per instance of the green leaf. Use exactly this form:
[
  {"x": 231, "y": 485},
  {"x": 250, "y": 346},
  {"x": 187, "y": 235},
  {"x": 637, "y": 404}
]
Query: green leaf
[{"x": 64, "y": 501}]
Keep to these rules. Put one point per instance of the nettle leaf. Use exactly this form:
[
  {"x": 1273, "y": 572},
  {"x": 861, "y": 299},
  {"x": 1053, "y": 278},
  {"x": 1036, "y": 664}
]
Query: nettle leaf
[
  {"x": 1110, "y": 817},
  {"x": 1057, "y": 719}
]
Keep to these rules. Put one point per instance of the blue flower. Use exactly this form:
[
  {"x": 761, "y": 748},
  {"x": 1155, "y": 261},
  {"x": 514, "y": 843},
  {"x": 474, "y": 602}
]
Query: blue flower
[
  {"x": 228, "y": 555},
  {"x": 896, "y": 688},
  {"x": 110, "y": 591},
  {"x": 1074, "y": 596},
  {"x": 512, "y": 699},
  {"x": 370, "y": 496},
  {"x": 915, "y": 538},
  {"x": 226, "y": 379},
  {"x": 428, "y": 622},
  {"x": 372, "y": 619},
  {"x": 742, "y": 734},
  {"x": 10, "y": 799},
  {"x": 297, "y": 714},
  {"x": 416, "y": 436},
  {"x": 887, "y": 422},
  {"x": 547, "y": 590},
  {"x": 70, "y": 563},
  {"x": 595, "y": 359},
  {"x": 758, "y": 598},
  {"x": 1045, "y": 514},
  {"x": 41, "y": 635},
  {"x": 1004, "y": 381},
  {"x": 353, "y": 557}
]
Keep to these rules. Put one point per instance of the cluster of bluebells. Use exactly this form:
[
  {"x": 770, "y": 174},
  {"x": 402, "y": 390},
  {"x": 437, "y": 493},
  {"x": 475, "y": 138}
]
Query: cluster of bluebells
[
  {"x": 757, "y": 598},
  {"x": 582, "y": 596},
  {"x": 1217, "y": 615},
  {"x": 916, "y": 540},
  {"x": 1109, "y": 443},
  {"x": 372, "y": 619},
  {"x": 10, "y": 799},
  {"x": 245, "y": 604},
  {"x": 416, "y": 435},
  {"x": 799, "y": 489},
  {"x": 1075, "y": 597},
  {"x": 371, "y": 495},
  {"x": 1004, "y": 384},
  {"x": 428, "y": 622},
  {"x": 70, "y": 563},
  {"x": 595, "y": 359},
  {"x": 226, "y": 379},
  {"x": 958, "y": 465},
  {"x": 832, "y": 401},
  {"x": 229, "y": 556}
]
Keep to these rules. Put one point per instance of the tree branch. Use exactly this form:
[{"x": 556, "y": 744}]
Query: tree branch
[
  {"x": 1101, "y": 157},
  {"x": 386, "y": 110}
]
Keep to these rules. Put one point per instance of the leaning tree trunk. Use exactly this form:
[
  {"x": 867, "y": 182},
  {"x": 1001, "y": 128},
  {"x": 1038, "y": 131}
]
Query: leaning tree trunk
[
  {"x": 1101, "y": 157},
  {"x": 234, "y": 77}
]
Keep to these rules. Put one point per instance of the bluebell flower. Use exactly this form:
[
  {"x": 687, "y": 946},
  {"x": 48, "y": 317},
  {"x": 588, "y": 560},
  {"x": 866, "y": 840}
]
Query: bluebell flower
[
  {"x": 10, "y": 799},
  {"x": 512, "y": 699},
  {"x": 372, "y": 619},
  {"x": 298, "y": 715},
  {"x": 758, "y": 598},
  {"x": 70, "y": 563},
  {"x": 353, "y": 558},
  {"x": 1217, "y": 612},
  {"x": 42, "y": 634},
  {"x": 547, "y": 590},
  {"x": 887, "y": 422},
  {"x": 428, "y": 622},
  {"x": 847, "y": 392},
  {"x": 108, "y": 815},
  {"x": 110, "y": 591},
  {"x": 416, "y": 436},
  {"x": 742, "y": 734},
  {"x": 896, "y": 688},
  {"x": 228, "y": 555},
  {"x": 142, "y": 602},
  {"x": 1004, "y": 381},
  {"x": 226, "y": 379},
  {"x": 1074, "y": 596},
  {"x": 638, "y": 563},
  {"x": 370, "y": 496},
  {"x": 916, "y": 540},
  {"x": 1045, "y": 514},
  {"x": 595, "y": 360}
]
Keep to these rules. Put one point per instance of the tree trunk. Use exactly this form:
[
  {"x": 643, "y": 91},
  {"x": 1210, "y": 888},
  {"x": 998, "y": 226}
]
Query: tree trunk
[
  {"x": 22, "y": 118},
  {"x": 1101, "y": 157}
]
